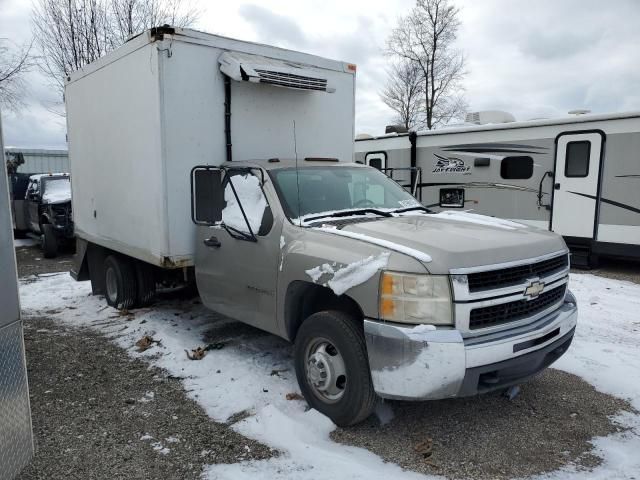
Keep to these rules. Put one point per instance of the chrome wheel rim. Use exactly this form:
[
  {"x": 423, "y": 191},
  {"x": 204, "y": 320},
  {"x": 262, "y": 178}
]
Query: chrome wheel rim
[
  {"x": 111, "y": 284},
  {"x": 325, "y": 369}
]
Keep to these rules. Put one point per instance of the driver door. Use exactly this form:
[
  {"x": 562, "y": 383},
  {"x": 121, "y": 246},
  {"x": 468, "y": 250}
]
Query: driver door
[{"x": 237, "y": 264}]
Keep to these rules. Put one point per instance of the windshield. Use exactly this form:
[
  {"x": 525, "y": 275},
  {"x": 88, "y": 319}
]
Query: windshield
[
  {"x": 56, "y": 190},
  {"x": 328, "y": 189}
]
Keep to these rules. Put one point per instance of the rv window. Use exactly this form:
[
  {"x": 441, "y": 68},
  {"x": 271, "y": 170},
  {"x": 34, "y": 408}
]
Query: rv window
[
  {"x": 516, "y": 168},
  {"x": 577, "y": 159},
  {"x": 376, "y": 163}
]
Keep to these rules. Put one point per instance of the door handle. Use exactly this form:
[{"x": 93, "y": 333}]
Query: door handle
[
  {"x": 556, "y": 186},
  {"x": 212, "y": 242}
]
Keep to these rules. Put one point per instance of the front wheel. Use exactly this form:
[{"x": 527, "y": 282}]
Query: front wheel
[
  {"x": 333, "y": 369},
  {"x": 49, "y": 241}
]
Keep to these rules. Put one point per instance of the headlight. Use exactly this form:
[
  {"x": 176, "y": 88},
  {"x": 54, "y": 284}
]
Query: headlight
[{"x": 410, "y": 298}]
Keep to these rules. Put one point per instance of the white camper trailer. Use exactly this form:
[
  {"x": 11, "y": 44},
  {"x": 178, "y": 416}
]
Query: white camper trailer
[{"x": 578, "y": 176}]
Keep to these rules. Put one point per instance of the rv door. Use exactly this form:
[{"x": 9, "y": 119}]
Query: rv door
[{"x": 575, "y": 196}]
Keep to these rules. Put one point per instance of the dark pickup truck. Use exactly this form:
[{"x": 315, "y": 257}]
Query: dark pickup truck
[{"x": 45, "y": 210}]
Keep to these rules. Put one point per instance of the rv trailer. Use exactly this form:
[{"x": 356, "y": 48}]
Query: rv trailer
[{"x": 578, "y": 176}]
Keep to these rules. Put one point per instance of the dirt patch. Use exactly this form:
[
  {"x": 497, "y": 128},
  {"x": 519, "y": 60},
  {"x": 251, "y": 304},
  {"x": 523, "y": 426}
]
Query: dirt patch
[
  {"x": 31, "y": 261},
  {"x": 628, "y": 270},
  {"x": 547, "y": 426},
  {"x": 98, "y": 414}
]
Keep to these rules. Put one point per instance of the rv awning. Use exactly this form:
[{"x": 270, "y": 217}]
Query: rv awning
[{"x": 258, "y": 69}]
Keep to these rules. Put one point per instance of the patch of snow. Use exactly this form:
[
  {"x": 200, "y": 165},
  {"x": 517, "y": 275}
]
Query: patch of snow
[
  {"x": 172, "y": 439},
  {"x": 316, "y": 272},
  {"x": 24, "y": 242},
  {"x": 161, "y": 449},
  {"x": 146, "y": 436},
  {"x": 282, "y": 245},
  {"x": 350, "y": 275},
  {"x": 412, "y": 252},
  {"x": 604, "y": 353},
  {"x": 149, "y": 396},
  {"x": 480, "y": 219},
  {"x": 357, "y": 273},
  {"x": 57, "y": 190},
  {"x": 252, "y": 199},
  {"x": 419, "y": 330}
]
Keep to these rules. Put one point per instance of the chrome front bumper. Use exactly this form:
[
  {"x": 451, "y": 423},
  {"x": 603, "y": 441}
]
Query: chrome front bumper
[{"x": 416, "y": 364}]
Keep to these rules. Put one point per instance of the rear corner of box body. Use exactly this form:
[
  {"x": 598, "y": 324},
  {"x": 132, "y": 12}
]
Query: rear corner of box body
[{"x": 116, "y": 157}]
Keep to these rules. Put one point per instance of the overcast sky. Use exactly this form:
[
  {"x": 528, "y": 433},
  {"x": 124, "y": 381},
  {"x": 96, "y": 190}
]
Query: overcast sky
[{"x": 532, "y": 58}]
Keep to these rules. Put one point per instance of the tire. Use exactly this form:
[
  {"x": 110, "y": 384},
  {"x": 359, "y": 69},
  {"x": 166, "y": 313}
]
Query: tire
[
  {"x": 345, "y": 401},
  {"x": 146, "y": 284},
  {"x": 120, "y": 286},
  {"x": 49, "y": 241}
]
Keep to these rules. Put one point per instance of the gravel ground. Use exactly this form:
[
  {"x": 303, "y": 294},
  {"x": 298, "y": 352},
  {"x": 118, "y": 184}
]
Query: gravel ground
[
  {"x": 98, "y": 414},
  {"x": 616, "y": 269},
  {"x": 491, "y": 437},
  {"x": 93, "y": 407},
  {"x": 31, "y": 261}
]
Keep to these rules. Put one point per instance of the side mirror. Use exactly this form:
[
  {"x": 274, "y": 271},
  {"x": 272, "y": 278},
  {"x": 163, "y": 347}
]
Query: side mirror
[{"x": 207, "y": 197}]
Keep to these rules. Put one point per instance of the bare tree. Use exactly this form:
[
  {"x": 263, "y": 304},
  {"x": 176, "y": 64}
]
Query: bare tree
[
  {"x": 134, "y": 16},
  {"x": 73, "y": 33},
  {"x": 15, "y": 62},
  {"x": 404, "y": 94},
  {"x": 426, "y": 39}
]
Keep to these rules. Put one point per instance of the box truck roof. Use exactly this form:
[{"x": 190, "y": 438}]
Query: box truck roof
[{"x": 172, "y": 34}]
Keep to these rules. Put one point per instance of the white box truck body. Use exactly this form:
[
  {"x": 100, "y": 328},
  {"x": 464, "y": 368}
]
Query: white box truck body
[{"x": 141, "y": 117}]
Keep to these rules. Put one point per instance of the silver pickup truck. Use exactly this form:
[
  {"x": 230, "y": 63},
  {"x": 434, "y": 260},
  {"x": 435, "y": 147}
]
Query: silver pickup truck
[{"x": 381, "y": 297}]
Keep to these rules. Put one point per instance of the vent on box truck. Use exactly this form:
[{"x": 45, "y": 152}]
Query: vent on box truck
[{"x": 258, "y": 69}]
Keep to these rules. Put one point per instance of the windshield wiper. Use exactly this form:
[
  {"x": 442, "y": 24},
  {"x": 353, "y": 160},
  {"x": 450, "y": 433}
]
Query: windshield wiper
[
  {"x": 348, "y": 213},
  {"x": 410, "y": 209}
]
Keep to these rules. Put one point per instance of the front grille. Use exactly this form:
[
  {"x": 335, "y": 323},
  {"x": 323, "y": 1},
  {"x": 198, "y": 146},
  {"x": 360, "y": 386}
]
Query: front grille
[
  {"x": 513, "y": 311},
  {"x": 505, "y": 277}
]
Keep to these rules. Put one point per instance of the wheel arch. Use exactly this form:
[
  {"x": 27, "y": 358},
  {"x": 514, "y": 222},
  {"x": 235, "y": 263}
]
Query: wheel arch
[{"x": 303, "y": 299}]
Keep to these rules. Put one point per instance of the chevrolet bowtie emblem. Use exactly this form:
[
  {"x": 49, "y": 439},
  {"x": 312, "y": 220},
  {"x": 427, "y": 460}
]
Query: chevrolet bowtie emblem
[{"x": 534, "y": 289}]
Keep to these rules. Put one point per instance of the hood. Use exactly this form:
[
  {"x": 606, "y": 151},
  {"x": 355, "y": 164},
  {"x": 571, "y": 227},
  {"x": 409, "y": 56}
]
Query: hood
[{"x": 457, "y": 240}]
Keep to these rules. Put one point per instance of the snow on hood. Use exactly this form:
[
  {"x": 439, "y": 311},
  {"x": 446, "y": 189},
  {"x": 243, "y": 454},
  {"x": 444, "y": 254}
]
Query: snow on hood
[
  {"x": 479, "y": 219},
  {"x": 446, "y": 243},
  {"x": 57, "y": 190}
]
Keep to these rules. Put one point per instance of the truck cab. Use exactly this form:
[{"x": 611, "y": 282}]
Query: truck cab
[{"x": 380, "y": 296}]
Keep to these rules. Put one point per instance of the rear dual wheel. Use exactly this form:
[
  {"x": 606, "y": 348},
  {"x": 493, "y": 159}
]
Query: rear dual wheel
[
  {"x": 128, "y": 283},
  {"x": 333, "y": 369}
]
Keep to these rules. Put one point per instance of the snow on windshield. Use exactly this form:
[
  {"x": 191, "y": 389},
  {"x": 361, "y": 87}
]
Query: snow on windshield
[
  {"x": 56, "y": 190},
  {"x": 252, "y": 200}
]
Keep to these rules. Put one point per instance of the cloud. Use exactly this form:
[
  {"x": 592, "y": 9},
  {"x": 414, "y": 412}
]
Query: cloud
[
  {"x": 534, "y": 59},
  {"x": 544, "y": 58},
  {"x": 273, "y": 28}
]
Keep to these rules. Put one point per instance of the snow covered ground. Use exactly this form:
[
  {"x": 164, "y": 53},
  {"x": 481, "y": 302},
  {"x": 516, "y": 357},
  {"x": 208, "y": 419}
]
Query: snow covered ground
[{"x": 254, "y": 372}]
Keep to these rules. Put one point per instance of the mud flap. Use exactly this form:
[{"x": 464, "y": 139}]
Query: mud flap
[{"x": 80, "y": 268}]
